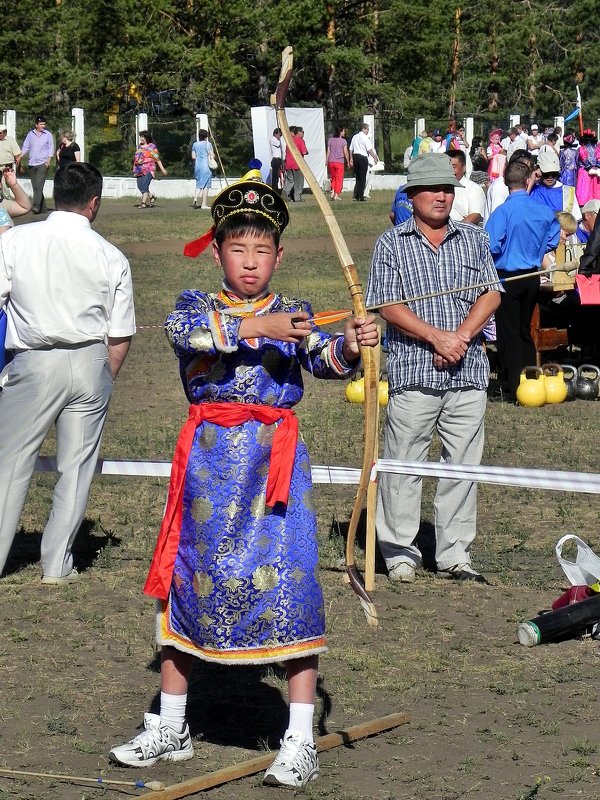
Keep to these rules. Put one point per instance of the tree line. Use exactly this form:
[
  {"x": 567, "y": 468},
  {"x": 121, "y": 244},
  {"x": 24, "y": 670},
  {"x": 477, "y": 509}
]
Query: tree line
[{"x": 396, "y": 59}]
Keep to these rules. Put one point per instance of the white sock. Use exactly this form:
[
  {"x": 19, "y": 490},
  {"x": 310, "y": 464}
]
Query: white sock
[
  {"x": 301, "y": 719},
  {"x": 172, "y": 710}
]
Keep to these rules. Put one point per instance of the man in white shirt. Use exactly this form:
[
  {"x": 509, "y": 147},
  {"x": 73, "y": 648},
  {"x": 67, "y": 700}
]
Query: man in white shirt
[
  {"x": 535, "y": 141},
  {"x": 498, "y": 190},
  {"x": 469, "y": 198},
  {"x": 513, "y": 142},
  {"x": 438, "y": 144},
  {"x": 70, "y": 318},
  {"x": 277, "y": 149},
  {"x": 360, "y": 150}
]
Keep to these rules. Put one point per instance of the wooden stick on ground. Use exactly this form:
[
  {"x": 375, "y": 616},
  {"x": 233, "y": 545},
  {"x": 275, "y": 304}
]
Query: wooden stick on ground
[{"x": 254, "y": 765}]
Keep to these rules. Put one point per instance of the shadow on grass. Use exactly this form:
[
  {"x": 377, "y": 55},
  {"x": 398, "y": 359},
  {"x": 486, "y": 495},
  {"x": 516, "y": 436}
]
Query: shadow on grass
[
  {"x": 425, "y": 541},
  {"x": 236, "y": 706},
  {"x": 91, "y": 546}
]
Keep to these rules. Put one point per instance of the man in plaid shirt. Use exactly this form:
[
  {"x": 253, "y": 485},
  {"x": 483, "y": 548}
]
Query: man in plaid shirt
[{"x": 437, "y": 368}]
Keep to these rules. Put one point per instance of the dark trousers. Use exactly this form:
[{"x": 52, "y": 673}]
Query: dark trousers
[
  {"x": 276, "y": 164},
  {"x": 361, "y": 167},
  {"x": 513, "y": 325},
  {"x": 37, "y": 176}
]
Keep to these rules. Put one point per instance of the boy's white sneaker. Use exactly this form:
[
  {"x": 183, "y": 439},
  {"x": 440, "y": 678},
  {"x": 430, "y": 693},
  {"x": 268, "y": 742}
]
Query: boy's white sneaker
[
  {"x": 296, "y": 763},
  {"x": 155, "y": 743}
]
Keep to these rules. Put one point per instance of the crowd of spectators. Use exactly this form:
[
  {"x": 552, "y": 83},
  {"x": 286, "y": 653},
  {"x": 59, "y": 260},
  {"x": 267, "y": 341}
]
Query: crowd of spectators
[{"x": 555, "y": 186}]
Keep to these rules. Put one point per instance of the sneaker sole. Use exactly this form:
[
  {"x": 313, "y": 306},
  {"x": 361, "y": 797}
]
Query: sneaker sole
[
  {"x": 174, "y": 756},
  {"x": 48, "y": 580},
  {"x": 272, "y": 780}
]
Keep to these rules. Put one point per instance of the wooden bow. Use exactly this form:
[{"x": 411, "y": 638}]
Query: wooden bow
[{"x": 360, "y": 311}]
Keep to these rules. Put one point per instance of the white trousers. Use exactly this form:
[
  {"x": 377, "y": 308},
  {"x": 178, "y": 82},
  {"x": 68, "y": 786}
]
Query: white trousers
[
  {"x": 69, "y": 387},
  {"x": 412, "y": 417}
]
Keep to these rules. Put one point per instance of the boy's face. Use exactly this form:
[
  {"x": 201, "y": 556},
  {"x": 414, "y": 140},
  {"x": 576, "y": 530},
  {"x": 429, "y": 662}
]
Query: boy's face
[{"x": 248, "y": 262}]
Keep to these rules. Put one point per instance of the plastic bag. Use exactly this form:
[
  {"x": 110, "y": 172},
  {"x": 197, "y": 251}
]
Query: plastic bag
[{"x": 586, "y": 567}]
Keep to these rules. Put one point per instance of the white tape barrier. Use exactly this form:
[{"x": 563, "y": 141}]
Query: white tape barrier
[{"x": 502, "y": 476}]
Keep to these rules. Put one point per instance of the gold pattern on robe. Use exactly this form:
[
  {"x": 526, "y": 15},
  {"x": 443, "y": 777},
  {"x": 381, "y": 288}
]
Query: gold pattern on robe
[
  {"x": 226, "y": 546},
  {"x": 265, "y": 434},
  {"x": 203, "y": 584},
  {"x": 297, "y": 574},
  {"x": 202, "y": 509},
  {"x": 236, "y": 438},
  {"x": 232, "y": 509},
  {"x": 268, "y": 615},
  {"x": 202, "y": 474},
  {"x": 208, "y": 437},
  {"x": 263, "y": 470},
  {"x": 233, "y": 583},
  {"x": 205, "y": 620},
  {"x": 257, "y": 506},
  {"x": 201, "y": 548},
  {"x": 265, "y": 578},
  {"x": 308, "y": 500},
  {"x": 201, "y": 339},
  {"x": 264, "y": 541}
]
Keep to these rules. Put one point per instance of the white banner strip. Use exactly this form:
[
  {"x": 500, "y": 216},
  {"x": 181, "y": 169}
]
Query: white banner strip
[{"x": 503, "y": 476}]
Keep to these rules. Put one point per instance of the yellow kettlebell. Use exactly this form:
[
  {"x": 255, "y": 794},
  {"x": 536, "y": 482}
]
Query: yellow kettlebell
[
  {"x": 554, "y": 379},
  {"x": 383, "y": 393},
  {"x": 531, "y": 391},
  {"x": 355, "y": 391}
]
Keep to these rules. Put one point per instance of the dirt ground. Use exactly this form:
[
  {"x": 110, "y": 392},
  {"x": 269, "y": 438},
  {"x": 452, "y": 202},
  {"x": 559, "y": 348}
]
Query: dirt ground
[{"x": 488, "y": 718}]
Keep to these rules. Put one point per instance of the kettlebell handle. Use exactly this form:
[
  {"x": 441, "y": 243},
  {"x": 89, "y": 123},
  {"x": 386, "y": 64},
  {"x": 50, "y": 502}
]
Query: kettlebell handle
[{"x": 590, "y": 368}]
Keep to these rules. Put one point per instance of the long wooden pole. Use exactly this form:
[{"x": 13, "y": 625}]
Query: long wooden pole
[
  {"x": 254, "y": 765},
  {"x": 278, "y": 100}
]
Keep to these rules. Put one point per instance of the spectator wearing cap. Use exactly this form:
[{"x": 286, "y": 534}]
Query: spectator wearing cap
[
  {"x": 535, "y": 141},
  {"x": 10, "y": 153},
  {"x": 588, "y": 219},
  {"x": 38, "y": 149},
  {"x": 568, "y": 161},
  {"x": 437, "y": 369},
  {"x": 521, "y": 232},
  {"x": 550, "y": 191},
  {"x": 438, "y": 143},
  {"x": 469, "y": 198}
]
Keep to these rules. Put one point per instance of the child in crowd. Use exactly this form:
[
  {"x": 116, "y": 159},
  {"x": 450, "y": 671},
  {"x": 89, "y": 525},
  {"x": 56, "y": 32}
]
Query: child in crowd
[{"x": 234, "y": 569}]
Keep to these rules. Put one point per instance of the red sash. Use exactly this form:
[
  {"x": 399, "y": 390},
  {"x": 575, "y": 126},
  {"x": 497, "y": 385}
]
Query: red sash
[{"x": 283, "y": 453}]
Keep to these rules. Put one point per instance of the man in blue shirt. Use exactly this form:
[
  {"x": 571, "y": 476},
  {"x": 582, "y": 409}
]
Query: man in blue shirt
[
  {"x": 401, "y": 207},
  {"x": 521, "y": 232}
]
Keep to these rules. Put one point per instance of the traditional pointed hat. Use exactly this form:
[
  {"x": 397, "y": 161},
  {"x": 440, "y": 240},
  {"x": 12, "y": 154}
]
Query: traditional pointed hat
[{"x": 248, "y": 195}]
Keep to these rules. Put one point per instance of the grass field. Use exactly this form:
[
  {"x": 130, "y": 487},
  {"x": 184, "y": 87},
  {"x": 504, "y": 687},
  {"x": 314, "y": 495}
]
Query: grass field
[{"x": 489, "y": 718}]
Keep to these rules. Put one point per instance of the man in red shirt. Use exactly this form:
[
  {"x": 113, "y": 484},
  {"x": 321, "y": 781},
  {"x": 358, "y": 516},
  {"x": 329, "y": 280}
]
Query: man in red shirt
[{"x": 294, "y": 180}]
